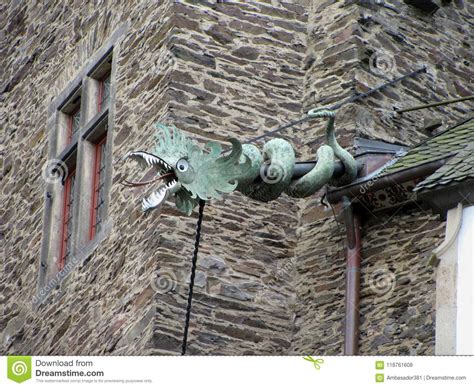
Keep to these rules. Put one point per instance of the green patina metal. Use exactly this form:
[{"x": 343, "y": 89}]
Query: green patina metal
[{"x": 189, "y": 173}]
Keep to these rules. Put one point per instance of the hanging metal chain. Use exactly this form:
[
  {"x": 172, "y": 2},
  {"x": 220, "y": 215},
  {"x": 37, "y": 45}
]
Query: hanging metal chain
[
  {"x": 193, "y": 275},
  {"x": 354, "y": 98}
]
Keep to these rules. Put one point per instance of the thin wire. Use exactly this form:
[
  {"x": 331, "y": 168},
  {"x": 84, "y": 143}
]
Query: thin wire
[
  {"x": 335, "y": 217},
  {"x": 193, "y": 275},
  {"x": 354, "y": 98},
  {"x": 289, "y": 125}
]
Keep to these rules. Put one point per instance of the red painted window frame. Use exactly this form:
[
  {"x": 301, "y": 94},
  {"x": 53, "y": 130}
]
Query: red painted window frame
[
  {"x": 70, "y": 123},
  {"x": 95, "y": 185},
  {"x": 101, "y": 91},
  {"x": 65, "y": 216}
]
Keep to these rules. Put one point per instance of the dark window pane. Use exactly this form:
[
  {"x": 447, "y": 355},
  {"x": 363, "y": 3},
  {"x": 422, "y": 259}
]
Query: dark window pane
[
  {"x": 74, "y": 123},
  {"x": 66, "y": 246},
  {"x": 99, "y": 188},
  {"x": 104, "y": 92}
]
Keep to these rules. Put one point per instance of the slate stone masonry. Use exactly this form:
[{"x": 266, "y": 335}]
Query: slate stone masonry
[{"x": 270, "y": 276}]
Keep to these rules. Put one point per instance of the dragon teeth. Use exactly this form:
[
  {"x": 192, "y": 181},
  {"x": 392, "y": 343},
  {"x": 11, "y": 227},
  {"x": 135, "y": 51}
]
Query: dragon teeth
[
  {"x": 150, "y": 159},
  {"x": 171, "y": 184},
  {"x": 154, "y": 200},
  {"x": 162, "y": 163}
]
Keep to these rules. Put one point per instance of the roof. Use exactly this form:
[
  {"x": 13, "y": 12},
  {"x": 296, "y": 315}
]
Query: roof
[
  {"x": 456, "y": 143},
  {"x": 457, "y": 169}
]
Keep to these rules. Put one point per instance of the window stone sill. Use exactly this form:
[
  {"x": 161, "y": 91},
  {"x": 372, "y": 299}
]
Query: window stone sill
[{"x": 81, "y": 257}]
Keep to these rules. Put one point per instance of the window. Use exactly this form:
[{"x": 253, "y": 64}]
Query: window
[
  {"x": 69, "y": 118},
  {"x": 98, "y": 187},
  {"x": 76, "y": 219},
  {"x": 101, "y": 75},
  {"x": 104, "y": 92},
  {"x": 67, "y": 220},
  {"x": 80, "y": 121},
  {"x": 74, "y": 121}
]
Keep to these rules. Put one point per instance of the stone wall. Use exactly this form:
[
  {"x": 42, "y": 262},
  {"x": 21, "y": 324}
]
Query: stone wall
[
  {"x": 237, "y": 72},
  {"x": 271, "y": 276},
  {"x": 398, "y": 297},
  {"x": 105, "y": 300},
  {"x": 346, "y": 42},
  {"x": 211, "y": 69}
]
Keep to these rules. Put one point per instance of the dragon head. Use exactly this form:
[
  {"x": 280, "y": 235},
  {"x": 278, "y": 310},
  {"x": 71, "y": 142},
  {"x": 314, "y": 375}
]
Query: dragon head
[{"x": 187, "y": 173}]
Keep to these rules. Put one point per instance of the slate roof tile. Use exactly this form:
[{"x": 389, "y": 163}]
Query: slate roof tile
[{"x": 457, "y": 143}]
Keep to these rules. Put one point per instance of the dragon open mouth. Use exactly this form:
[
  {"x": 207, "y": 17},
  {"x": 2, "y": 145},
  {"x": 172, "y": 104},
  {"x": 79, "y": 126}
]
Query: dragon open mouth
[{"x": 166, "y": 174}]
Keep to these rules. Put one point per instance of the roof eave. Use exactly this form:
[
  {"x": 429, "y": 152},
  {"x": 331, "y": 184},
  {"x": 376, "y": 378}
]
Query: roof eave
[
  {"x": 375, "y": 183},
  {"x": 444, "y": 197}
]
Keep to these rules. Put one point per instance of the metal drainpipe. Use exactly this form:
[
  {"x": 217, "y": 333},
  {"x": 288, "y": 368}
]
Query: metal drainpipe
[{"x": 353, "y": 255}]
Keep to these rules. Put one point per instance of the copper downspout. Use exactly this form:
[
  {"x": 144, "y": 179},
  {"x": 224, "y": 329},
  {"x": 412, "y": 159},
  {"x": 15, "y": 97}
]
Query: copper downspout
[{"x": 353, "y": 255}]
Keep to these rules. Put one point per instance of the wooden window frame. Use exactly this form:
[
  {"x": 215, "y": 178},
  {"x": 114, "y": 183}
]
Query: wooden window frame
[
  {"x": 101, "y": 91},
  {"x": 70, "y": 124},
  {"x": 77, "y": 154},
  {"x": 98, "y": 155},
  {"x": 67, "y": 212}
]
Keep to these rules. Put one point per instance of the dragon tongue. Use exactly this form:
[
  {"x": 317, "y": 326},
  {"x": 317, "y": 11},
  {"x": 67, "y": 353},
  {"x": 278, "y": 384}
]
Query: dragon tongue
[{"x": 154, "y": 200}]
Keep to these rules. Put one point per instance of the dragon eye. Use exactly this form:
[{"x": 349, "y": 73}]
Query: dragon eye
[{"x": 182, "y": 165}]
